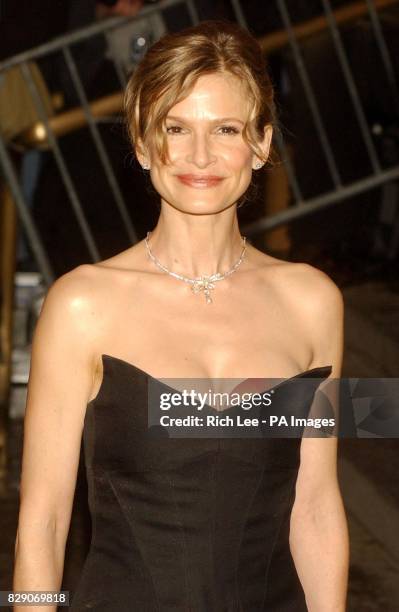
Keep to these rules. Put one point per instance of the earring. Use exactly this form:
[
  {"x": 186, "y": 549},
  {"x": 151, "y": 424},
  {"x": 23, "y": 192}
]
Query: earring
[
  {"x": 146, "y": 165},
  {"x": 258, "y": 165}
]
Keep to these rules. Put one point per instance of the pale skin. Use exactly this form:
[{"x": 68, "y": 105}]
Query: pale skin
[{"x": 271, "y": 318}]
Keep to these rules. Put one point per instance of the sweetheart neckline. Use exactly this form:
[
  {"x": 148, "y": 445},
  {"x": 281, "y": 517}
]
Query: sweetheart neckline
[{"x": 105, "y": 356}]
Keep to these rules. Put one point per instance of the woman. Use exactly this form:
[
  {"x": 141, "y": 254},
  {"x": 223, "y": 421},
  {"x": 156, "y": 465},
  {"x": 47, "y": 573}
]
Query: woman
[{"x": 186, "y": 524}]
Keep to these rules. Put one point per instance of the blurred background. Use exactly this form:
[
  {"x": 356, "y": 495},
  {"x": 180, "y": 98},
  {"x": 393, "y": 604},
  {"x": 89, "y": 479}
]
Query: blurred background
[{"x": 71, "y": 192}]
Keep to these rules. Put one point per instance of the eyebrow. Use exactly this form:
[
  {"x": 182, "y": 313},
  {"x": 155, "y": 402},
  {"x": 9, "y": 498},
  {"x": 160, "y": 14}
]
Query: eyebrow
[{"x": 218, "y": 120}]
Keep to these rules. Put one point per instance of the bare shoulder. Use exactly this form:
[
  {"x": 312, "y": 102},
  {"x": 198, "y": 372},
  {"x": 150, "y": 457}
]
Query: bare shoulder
[
  {"x": 73, "y": 304},
  {"x": 320, "y": 308},
  {"x": 314, "y": 289},
  {"x": 313, "y": 300},
  {"x": 91, "y": 293},
  {"x": 306, "y": 286},
  {"x": 315, "y": 292},
  {"x": 75, "y": 290}
]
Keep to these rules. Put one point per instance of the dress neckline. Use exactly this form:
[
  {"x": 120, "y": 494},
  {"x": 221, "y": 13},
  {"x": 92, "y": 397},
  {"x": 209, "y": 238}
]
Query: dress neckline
[{"x": 319, "y": 371}]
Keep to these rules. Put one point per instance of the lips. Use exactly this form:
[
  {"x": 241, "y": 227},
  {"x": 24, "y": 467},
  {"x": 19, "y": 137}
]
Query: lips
[{"x": 198, "y": 181}]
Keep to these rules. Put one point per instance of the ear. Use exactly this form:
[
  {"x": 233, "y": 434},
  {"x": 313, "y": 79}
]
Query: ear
[
  {"x": 141, "y": 153},
  {"x": 264, "y": 144}
]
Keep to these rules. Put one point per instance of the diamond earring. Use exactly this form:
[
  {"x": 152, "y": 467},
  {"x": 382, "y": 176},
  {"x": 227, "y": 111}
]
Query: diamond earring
[
  {"x": 258, "y": 165},
  {"x": 146, "y": 166}
]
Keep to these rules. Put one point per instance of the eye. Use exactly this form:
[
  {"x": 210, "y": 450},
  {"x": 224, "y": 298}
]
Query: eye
[
  {"x": 230, "y": 129},
  {"x": 173, "y": 129}
]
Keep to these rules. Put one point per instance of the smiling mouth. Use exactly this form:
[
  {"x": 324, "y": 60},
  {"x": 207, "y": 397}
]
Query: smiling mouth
[{"x": 200, "y": 182}]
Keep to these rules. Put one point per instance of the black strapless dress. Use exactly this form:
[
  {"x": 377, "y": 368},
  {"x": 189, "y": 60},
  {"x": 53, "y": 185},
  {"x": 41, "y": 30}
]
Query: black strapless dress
[{"x": 185, "y": 525}]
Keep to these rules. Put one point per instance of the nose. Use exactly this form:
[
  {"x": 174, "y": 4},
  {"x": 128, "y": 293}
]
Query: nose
[{"x": 200, "y": 152}]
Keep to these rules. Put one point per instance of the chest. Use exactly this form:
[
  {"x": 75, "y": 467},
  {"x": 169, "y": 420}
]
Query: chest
[{"x": 241, "y": 334}]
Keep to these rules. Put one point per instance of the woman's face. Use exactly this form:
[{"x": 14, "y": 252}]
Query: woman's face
[{"x": 210, "y": 163}]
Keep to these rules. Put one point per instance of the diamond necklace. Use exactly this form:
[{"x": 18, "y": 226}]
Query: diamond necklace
[{"x": 202, "y": 283}]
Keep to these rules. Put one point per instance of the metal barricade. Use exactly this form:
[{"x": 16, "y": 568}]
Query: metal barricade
[{"x": 49, "y": 129}]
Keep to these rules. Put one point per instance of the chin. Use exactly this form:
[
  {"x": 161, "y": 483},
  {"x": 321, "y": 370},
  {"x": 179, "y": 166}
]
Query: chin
[{"x": 201, "y": 207}]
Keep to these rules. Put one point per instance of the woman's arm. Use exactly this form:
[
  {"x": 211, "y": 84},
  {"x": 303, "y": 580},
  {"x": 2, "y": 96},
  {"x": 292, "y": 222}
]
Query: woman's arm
[
  {"x": 60, "y": 382},
  {"x": 319, "y": 535}
]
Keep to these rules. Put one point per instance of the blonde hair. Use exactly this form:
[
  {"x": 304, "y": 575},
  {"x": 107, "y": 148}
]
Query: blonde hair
[{"x": 171, "y": 67}]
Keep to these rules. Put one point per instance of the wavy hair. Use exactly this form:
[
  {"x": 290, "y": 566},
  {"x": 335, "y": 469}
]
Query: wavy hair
[{"x": 170, "y": 68}]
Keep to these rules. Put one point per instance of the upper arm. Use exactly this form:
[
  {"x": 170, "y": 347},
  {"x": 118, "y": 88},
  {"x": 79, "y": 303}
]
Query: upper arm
[
  {"x": 323, "y": 312},
  {"x": 59, "y": 385}
]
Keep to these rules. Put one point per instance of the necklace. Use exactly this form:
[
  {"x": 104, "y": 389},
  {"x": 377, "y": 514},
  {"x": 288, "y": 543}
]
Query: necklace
[{"x": 202, "y": 283}]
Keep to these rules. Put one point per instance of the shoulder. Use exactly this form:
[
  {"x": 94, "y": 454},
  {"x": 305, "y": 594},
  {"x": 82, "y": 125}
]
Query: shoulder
[
  {"x": 74, "y": 301},
  {"x": 313, "y": 300},
  {"x": 320, "y": 307},
  {"x": 307, "y": 287},
  {"x": 73, "y": 290},
  {"x": 314, "y": 290},
  {"x": 94, "y": 290},
  {"x": 301, "y": 284}
]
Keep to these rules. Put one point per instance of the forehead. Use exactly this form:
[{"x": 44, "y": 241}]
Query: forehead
[{"x": 212, "y": 96}]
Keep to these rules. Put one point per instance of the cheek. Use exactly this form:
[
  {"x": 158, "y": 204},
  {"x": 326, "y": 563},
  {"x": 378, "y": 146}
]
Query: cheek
[
  {"x": 236, "y": 161},
  {"x": 238, "y": 158},
  {"x": 177, "y": 149},
  {"x": 162, "y": 178}
]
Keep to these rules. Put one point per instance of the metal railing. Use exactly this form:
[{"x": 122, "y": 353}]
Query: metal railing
[
  {"x": 47, "y": 130},
  {"x": 292, "y": 35}
]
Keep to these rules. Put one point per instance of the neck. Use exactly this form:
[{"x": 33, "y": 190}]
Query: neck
[{"x": 197, "y": 246}]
